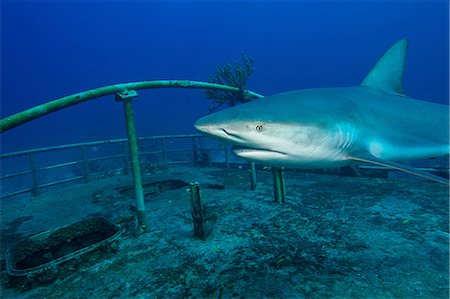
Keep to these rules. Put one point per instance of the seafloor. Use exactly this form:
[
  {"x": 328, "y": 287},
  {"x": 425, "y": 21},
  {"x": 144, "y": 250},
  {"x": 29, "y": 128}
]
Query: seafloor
[{"x": 335, "y": 237}]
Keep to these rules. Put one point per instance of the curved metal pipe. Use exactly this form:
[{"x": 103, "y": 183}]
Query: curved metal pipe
[{"x": 27, "y": 115}]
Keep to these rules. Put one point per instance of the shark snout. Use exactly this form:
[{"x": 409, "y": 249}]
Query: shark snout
[
  {"x": 216, "y": 130},
  {"x": 203, "y": 126},
  {"x": 206, "y": 127}
]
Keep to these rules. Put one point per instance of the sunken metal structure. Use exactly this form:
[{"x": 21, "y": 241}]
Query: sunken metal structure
[{"x": 123, "y": 92}]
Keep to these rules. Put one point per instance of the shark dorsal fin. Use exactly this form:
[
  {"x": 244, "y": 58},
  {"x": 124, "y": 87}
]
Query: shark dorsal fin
[{"x": 387, "y": 74}]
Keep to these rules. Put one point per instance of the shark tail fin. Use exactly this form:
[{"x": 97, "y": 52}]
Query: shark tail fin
[
  {"x": 387, "y": 74},
  {"x": 369, "y": 158}
]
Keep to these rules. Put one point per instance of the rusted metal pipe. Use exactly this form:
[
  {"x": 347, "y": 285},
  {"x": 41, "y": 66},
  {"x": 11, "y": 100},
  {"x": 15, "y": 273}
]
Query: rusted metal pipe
[
  {"x": 126, "y": 97},
  {"x": 198, "y": 213},
  {"x": 279, "y": 186},
  {"x": 17, "y": 119}
]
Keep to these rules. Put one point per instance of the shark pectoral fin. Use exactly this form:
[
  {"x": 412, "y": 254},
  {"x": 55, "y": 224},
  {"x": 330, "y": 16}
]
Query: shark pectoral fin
[{"x": 368, "y": 158}]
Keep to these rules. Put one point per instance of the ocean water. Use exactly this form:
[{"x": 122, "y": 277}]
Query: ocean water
[
  {"x": 51, "y": 49},
  {"x": 382, "y": 235}
]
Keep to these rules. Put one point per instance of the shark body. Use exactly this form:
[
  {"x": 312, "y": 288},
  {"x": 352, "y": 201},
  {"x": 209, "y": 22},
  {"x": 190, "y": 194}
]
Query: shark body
[{"x": 374, "y": 122}]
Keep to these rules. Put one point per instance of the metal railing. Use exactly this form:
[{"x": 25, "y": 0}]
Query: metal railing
[
  {"x": 161, "y": 154},
  {"x": 124, "y": 92},
  {"x": 157, "y": 153}
]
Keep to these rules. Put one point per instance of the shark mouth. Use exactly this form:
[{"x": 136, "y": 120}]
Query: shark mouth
[{"x": 250, "y": 152}]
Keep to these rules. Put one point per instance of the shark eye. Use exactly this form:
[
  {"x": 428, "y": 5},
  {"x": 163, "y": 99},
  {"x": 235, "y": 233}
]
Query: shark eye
[{"x": 259, "y": 128}]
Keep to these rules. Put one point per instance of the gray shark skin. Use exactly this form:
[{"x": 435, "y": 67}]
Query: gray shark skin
[{"x": 374, "y": 122}]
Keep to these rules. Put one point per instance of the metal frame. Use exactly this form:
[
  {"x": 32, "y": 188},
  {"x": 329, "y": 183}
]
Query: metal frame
[
  {"x": 34, "y": 171},
  {"x": 196, "y": 147},
  {"x": 124, "y": 92}
]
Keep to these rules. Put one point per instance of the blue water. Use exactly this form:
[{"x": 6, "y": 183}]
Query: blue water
[{"x": 51, "y": 49}]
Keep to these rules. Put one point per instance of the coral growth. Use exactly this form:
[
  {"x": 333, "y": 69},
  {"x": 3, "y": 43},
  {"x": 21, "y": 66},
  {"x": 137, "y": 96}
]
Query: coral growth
[{"x": 235, "y": 75}]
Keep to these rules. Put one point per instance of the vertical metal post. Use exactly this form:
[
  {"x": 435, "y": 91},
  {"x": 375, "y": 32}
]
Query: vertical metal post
[
  {"x": 252, "y": 171},
  {"x": 126, "y": 163},
  {"x": 86, "y": 163},
  {"x": 225, "y": 150},
  {"x": 197, "y": 211},
  {"x": 35, "y": 191},
  {"x": 279, "y": 187},
  {"x": 194, "y": 151},
  {"x": 200, "y": 147},
  {"x": 126, "y": 97}
]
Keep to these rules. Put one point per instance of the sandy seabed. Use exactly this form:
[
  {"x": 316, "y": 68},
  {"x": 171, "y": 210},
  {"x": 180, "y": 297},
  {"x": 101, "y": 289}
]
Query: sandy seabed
[{"x": 335, "y": 237}]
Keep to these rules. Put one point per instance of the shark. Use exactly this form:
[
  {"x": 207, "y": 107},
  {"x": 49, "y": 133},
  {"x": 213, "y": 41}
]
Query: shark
[{"x": 374, "y": 122}]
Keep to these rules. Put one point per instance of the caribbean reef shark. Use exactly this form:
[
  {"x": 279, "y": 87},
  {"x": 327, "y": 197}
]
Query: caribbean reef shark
[{"x": 374, "y": 122}]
